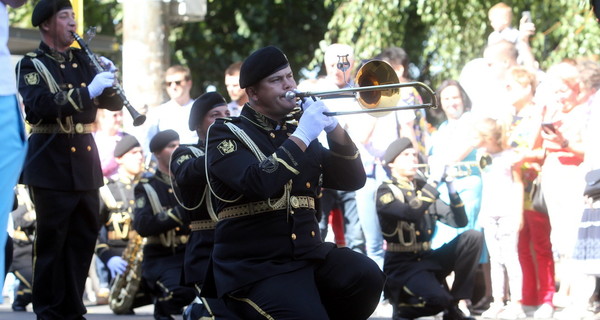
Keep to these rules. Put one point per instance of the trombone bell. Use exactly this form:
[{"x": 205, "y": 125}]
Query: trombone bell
[
  {"x": 377, "y": 73},
  {"x": 378, "y": 91}
]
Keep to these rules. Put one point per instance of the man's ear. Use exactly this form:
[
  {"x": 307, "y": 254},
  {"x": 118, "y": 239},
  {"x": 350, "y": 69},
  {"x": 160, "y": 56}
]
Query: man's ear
[
  {"x": 251, "y": 93},
  {"x": 45, "y": 26}
]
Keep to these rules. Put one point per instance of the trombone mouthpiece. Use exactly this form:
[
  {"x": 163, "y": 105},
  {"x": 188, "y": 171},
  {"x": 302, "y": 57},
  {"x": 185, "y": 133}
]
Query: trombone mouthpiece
[{"x": 290, "y": 95}]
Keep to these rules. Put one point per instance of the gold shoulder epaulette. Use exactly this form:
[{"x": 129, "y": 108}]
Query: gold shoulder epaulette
[
  {"x": 31, "y": 54},
  {"x": 144, "y": 180}
]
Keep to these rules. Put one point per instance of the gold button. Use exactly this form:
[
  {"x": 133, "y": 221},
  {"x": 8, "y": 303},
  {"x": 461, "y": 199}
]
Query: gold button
[
  {"x": 409, "y": 193},
  {"x": 417, "y": 232},
  {"x": 429, "y": 231},
  {"x": 293, "y": 236},
  {"x": 74, "y": 65},
  {"x": 289, "y": 134},
  {"x": 170, "y": 190},
  {"x": 292, "y": 212},
  {"x": 83, "y": 85},
  {"x": 272, "y": 135},
  {"x": 89, "y": 148},
  {"x": 312, "y": 234},
  {"x": 73, "y": 149},
  {"x": 79, "y": 128},
  {"x": 308, "y": 184},
  {"x": 62, "y": 66},
  {"x": 70, "y": 86},
  {"x": 131, "y": 201}
]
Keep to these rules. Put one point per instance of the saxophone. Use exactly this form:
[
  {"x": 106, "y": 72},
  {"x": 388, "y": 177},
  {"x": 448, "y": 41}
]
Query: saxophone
[{"x": 125, "y": 286}]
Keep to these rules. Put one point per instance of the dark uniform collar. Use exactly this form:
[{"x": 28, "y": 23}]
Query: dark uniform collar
[
  {"x": 260, "y": 120},
  {"x": 162, "y": 177},
  {"x": 55, "y": 55}
]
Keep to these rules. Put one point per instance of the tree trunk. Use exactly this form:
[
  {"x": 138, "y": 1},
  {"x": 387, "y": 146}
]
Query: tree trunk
[{"x": 145, "y": 54}]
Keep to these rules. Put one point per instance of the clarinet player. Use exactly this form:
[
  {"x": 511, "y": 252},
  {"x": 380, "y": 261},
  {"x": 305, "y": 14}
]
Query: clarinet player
[{"x": 61, "y": 93}]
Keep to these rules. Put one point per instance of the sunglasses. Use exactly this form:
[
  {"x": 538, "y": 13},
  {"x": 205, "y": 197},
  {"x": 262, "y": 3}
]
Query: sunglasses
[{"x": 178, "y": 82}]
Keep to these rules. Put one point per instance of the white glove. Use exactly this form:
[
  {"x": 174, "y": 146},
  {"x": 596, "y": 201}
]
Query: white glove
[
  {"x": 116, "y": 265},
  {"x": 108, "y": 64},
  {"x": 100, "y": 82},
  {"x": 437, "y": 171},
  {"x": 312, "y": 122},
  {"x": 332, "y": 121}
]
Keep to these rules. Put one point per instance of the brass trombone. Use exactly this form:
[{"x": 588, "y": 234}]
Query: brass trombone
[
  {"x": 378, "y": 91},
  {"x": 462, "y": 168}
]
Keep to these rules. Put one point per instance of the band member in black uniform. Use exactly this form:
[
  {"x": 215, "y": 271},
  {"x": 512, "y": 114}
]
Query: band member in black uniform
[
  {"x": 165, "y": 224},
  {"x": 188, "y": 165},
  {"x": 408, "y": 207},
  {"x": 23, "y": 235},
  {"x": 118, "y": 202},
  {"x": 61, "y": 93},
  {"x": 268, "y": 259},
  {"x": 116, "y": 214}
]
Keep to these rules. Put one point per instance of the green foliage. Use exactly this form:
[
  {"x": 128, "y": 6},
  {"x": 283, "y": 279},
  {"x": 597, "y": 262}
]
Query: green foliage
[
  {"x": 442, "y": 36},
  {"x": 233, "y": 29}
]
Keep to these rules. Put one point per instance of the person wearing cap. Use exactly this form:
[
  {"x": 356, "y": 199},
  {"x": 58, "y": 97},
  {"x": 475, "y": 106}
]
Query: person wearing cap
[
  {"x": 266, "y": 174},
  {"x": 116, "y": 211},
  {"x": 165, "y": 224},
  {"x": 188, "y": 169},
  {"x": 408, "y": 207},
  {"x": 61, "y": 92}
]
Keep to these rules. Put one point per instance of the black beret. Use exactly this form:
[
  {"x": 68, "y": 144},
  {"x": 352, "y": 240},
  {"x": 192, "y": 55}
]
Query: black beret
[
  {"x": 261, "y": 64},
  {"x": 162, "y": 139},
  {"x": 126, "y": 143},
  {"x": 395, "y": 148},
  {"x": 202, "y": 105},
  {"x": 46, "y": 9}
]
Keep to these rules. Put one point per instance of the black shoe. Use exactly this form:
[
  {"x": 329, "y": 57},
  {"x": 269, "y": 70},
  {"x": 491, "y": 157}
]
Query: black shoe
[
  {"x": 454, "y": 313},
  {"x": 19, "y": 308}
]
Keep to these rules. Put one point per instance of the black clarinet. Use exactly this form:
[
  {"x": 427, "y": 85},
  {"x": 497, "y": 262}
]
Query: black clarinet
[{"x": 138, "y": 119}]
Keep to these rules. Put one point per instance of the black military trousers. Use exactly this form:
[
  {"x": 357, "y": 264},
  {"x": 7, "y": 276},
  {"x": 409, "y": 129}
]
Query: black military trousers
[
  {"x": 67, "y": 229},
  {"x": 426, "y": 292},
  {"x": 347, "y": 285},
  {"x": 163, "y": 276}
]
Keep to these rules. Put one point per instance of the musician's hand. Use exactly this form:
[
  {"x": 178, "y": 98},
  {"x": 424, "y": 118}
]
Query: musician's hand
[
  {"x": 100, "y": 82},
  {"x": 331, "y": 123},
  {"x": 437, "y": 171},
  {"x": 312, "y": 122},
  {"x": 116, "y": 265},
  {"x": 108, "y": 65}
]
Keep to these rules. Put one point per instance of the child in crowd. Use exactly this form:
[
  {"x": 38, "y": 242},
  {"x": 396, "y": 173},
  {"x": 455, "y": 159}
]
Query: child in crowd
[{"x": 500, "y": 217}]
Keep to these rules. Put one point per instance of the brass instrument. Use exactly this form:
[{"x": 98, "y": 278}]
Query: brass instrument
[
  {"x": 125, "y": 286},
  {"x": 378, "y": 91},
  {"x": 462, "y": 168},
  {"x": 138, "y": 119}
]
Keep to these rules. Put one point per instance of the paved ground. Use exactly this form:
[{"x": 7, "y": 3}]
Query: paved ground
[{"x": 103, "y": 312}]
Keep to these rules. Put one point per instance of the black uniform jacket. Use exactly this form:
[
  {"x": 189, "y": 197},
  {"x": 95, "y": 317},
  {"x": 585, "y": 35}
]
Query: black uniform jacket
[
  {"x": 152, "y": 225},
  {"x": 115, "y": 219},
  {"x": 61, "y": 161},
  {"x": 190, "y": 176},
  {"x": 407, "y": 213},
  {"x": 254, "y": 247}
]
